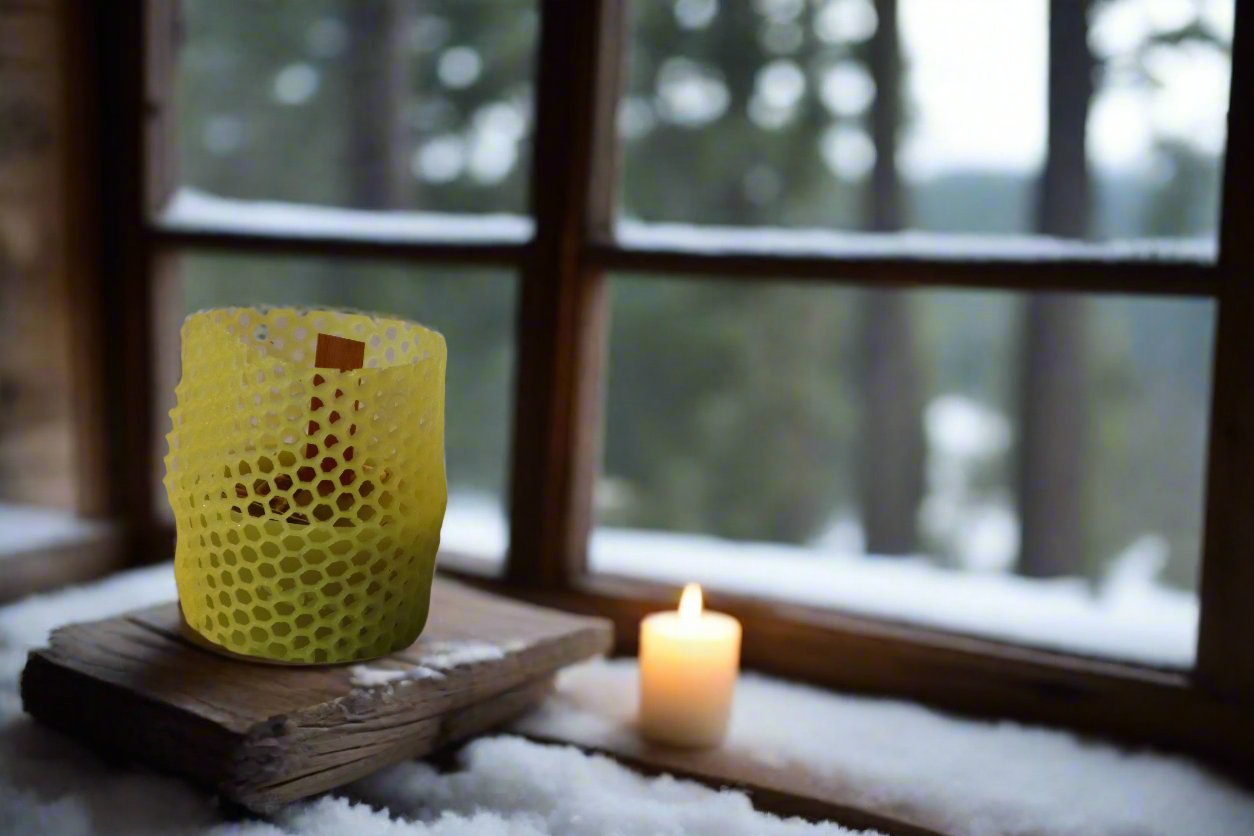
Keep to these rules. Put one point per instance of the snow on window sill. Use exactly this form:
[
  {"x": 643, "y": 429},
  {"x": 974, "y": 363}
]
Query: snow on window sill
[
  {"x": 26, "y": 528},
  {"x": 191, "y": 210},
  {"x": 924, "y": 246},
  {"x": 907, "y": 762},
  {"x": 1129, "y": 618},
  {"x": 475, "y": 536}
]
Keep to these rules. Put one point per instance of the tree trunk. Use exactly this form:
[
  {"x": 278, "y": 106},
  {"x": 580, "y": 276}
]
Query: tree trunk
[
  {"x": 890, "y": 472},
  {"x": 1052, "y": 396},
  {"x": 892, "y": 450},
  {"x": 380, "y": 82}
]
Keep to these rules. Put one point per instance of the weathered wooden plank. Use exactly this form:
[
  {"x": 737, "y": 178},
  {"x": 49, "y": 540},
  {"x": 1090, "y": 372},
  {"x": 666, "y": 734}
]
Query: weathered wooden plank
[{"x": 262, "y": 735}]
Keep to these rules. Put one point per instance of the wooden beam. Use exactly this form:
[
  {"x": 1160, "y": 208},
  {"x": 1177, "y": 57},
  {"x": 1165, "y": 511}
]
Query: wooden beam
[
  {"x": 432, "y": 252},
  {"x": 116, "y": 41},
  {"x": 562, "y": 310},
  {"x": 1033, "y": 264},
  {"x": 1225, "y": 663}
]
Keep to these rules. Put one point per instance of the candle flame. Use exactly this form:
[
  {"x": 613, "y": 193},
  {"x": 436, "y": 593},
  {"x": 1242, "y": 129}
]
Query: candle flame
[{"x": 690, "y": 602}]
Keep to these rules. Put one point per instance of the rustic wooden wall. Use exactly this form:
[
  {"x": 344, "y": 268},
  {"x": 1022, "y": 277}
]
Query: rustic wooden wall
[{"x": 37, "y": 432}]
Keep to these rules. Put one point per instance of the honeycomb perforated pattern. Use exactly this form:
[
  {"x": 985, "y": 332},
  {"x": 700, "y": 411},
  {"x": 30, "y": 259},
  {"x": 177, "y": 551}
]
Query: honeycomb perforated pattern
[{"x": 308, "y": 502}]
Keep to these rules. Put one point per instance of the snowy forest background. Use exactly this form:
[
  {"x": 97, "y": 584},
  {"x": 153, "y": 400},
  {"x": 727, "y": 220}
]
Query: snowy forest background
[{"x": 988, "y": 431}]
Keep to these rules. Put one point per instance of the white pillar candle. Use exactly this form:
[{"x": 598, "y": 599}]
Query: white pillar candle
[{"x": 688, "y": 665}]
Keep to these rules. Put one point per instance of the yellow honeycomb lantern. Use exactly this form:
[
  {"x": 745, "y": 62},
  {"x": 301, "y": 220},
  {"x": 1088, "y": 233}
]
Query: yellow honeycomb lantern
[{"x": 308, "y": 501}]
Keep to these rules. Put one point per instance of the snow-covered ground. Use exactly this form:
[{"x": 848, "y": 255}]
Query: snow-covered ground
[
  {"x": 1130, "y": 616},
  {"x": 959, "y": 776}
]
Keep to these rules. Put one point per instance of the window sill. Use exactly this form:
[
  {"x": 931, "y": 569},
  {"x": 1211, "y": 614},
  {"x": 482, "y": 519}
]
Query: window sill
[
  {"x": 895, "y": 766},
  {"x": 42, "y": 549}
]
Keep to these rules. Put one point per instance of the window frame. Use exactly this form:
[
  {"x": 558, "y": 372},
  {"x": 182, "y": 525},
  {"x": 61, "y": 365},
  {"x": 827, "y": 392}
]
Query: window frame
[{"x": 558, "y": 392}]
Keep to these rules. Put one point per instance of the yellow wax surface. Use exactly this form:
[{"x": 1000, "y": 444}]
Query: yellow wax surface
[{"x": 688, "y": 669}]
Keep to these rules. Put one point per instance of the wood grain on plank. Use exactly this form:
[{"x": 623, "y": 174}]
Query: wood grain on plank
[{"x": 264, "y": 735}]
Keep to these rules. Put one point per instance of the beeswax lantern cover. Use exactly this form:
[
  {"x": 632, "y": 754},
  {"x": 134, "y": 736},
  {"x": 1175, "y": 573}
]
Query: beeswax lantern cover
[{"x": 308, "y": 502}]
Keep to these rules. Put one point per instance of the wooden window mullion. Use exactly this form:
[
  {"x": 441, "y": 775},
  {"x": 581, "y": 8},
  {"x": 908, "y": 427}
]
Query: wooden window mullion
[
  {"x": 120, "y": 122},
  {"x": 562, "y": 306},
  {"x": 1224, "y": 661}
]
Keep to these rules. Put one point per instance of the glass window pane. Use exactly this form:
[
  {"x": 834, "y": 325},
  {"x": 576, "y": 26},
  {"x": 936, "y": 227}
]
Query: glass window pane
[
  {"x": 1158, "y": 119},
  {"x": 763, "y": 113},
  {"x": 372, "y": 104},
  {"x": 1026, "y": 468},
  {"x": 473, "y": 309}
]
